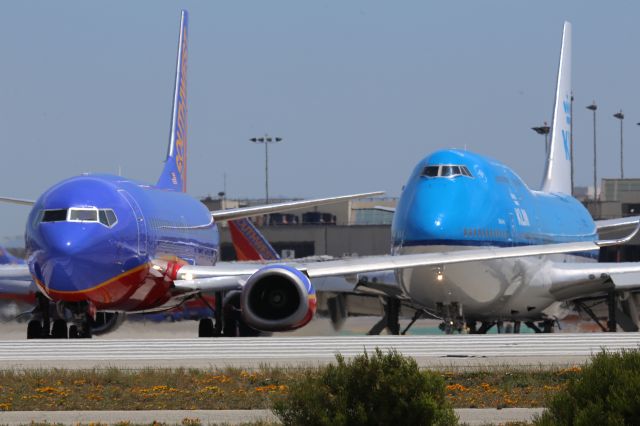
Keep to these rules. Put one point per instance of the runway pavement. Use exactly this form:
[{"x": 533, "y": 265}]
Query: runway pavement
[{"x": 429, "y": 351}]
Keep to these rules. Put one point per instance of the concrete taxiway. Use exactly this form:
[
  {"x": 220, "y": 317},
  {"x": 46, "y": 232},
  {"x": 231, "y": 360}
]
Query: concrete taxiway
[
  {"x": 469, "y": 416},
  {"x": 429, "y": 351}
]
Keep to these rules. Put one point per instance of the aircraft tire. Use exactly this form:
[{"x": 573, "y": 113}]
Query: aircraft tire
[
  {"x": 34, "y": 330},
  {"x": 73, "y": 331},
  {"x": 59, "y": 329},
  {"x": 205, "y": 328}
]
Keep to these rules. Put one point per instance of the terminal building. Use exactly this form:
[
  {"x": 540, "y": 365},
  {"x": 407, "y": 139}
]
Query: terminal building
[{"x": 349, "y": 228}]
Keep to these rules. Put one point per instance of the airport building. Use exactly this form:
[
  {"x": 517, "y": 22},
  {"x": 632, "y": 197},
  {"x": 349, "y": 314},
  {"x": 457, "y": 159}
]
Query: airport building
[{"x": 350, "y": 228}]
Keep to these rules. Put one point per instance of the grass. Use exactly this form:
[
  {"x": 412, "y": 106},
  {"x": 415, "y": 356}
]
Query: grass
[{"x": 230, "y": 388}]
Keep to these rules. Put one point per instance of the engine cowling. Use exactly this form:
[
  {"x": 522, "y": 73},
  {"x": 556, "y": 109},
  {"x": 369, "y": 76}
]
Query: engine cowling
[{"x": 278, "y": 298}]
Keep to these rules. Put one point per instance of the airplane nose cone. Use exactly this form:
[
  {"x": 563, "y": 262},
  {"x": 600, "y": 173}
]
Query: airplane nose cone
[{"x": 63, "y": 240}]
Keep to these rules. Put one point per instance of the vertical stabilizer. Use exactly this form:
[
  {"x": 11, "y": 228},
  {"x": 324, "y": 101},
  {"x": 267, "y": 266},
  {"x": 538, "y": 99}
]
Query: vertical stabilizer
[
  {"x": 557, "y": 175},
  {"x": 249, "y": 243},
  {"x": 174, "y": 175}
]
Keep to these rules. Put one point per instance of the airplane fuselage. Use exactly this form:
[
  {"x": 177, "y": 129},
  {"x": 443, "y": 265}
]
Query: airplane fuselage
[
  {"x": 445, "y": 207},
  {"x": 93, "y": 238}
]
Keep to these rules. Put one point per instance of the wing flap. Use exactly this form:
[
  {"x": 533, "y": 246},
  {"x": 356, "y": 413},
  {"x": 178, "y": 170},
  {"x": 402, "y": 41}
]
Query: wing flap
[
  {"x": 210, "y": 285},
  {"x": 242, "y": 212}
]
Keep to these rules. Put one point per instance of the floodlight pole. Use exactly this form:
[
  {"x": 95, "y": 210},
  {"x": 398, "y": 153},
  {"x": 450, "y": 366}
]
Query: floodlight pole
[
  {"x": 620, "y": 116},
  {"x": 593, "y": 107},
  {"x": 543, "y": 130},
  {"x": 266, "y": 140}
]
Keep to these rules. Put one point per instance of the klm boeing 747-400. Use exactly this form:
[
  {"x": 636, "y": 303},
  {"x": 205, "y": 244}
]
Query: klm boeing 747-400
[{"x": 468, "y": 237}]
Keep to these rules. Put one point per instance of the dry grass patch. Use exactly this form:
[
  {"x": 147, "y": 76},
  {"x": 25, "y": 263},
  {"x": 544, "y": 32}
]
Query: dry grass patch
[{"x": 230, "y": 388}]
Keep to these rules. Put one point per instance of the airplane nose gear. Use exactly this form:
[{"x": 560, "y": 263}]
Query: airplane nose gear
[
  {"x": 38, "y": 328},
  {"x": 452, "y": 317}
]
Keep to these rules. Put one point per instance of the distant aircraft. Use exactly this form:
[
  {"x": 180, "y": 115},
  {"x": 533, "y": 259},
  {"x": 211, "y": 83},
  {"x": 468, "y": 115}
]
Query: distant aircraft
[
  {"x": 7, "y": 258},
  {"x": 249, "y": 243},
  {"x": 15, "y": 298},
  {"x": 470, "y": 241}
]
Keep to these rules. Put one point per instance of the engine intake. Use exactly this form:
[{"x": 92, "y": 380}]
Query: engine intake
[{"x": 278, "y": 298}]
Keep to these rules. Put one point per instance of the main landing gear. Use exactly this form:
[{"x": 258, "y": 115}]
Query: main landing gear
[
  {"x": 227, "y": 318},
  {"x": 42, "y": 326},
  {"x": 546, "y": 326}
]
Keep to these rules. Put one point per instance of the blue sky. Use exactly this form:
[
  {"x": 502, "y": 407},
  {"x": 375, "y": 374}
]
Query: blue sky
[{"x": 359, "y": 90}]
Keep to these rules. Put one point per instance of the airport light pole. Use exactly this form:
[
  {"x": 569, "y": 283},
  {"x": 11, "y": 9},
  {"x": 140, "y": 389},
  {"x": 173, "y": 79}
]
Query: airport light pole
[
  {"x": 620, "y": 116},
  {"x": 543, "y": 130},
  {"x": 593, "y": 107},
  {"x": 266, "y": 140}
]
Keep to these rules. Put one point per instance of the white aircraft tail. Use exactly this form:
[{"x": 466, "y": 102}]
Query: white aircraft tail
[{"x": 557, "y": 175}]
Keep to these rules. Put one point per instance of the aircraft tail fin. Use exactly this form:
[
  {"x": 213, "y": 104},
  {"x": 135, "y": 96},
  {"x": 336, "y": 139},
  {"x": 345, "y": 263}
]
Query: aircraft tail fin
[
  {"x": 557, "y": 175},
  {"x": 174, "y": 175},
  {"x": 249, "y": 243}
]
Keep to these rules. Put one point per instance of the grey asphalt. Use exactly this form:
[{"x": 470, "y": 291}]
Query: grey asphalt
[{"x": 470, "y": 416}]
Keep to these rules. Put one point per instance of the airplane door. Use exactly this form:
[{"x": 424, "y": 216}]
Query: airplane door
[
  {"x": 512, "y": 227},
  {"x": 140, "y": 222}
]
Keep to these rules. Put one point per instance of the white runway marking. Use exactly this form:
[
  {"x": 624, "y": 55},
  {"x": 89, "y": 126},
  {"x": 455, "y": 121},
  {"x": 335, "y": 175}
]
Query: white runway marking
[{"x": 428, "y": 350}]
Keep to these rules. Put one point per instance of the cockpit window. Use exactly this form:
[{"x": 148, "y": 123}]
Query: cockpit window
[
  {"x": 111, "y": 217},
  {"x": 446, "y": 170},
  {"x": 54, "y": 215},
  {"x": 431, "y": 171},
  {"x": 107, "y": 217},
  {"x": 83, "y": 215}
]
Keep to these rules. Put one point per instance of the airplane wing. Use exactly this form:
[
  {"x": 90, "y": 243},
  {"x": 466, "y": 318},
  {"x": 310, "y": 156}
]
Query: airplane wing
[
  {"x": 231, "y": 214},
  {"x": 226, "y": 276},
  {"x": 15, "y": 279},
  {"x": 621, "y": 222},
  {"x": 20, "y": 201},
  {"x": 578, "y": 280},
  {"x": 15, "y": 272},
  {"x": 385, "y": 209}
]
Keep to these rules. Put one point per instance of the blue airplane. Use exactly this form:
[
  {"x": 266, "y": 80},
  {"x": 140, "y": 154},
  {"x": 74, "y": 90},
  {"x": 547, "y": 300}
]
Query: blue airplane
[
  {"x": 471, "y": 241},
  {"x": 102, "y": 243}
]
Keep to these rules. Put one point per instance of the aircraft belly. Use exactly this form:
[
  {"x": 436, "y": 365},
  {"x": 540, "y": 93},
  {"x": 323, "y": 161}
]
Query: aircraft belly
[{"x": 506, "y": 288}]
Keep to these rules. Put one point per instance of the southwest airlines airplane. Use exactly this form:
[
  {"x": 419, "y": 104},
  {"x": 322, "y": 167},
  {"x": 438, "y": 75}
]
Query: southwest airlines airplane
[{"x": 470, "y": 241}]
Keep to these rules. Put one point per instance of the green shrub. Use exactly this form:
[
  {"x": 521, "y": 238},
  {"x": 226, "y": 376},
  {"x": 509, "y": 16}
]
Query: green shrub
[
  {"x": 382, "y": 389},
  {"x": 606, "y": 392}
]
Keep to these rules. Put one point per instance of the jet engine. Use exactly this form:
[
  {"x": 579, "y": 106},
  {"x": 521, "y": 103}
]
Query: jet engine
[{"x": 278, "y": 298}]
